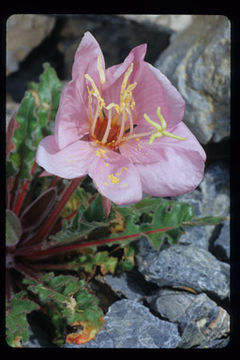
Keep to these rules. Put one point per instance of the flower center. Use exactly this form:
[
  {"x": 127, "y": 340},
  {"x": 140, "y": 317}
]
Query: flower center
[
  {"x": 112, "y": 124},
  {"x": 109, "y": 123}
]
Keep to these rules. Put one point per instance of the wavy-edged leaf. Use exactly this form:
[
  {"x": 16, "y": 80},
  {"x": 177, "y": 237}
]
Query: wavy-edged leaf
[
  {"x": 17, "y": 327},
  {"x": 46, "y": 94},
  {"x": 67, "y": 302}
]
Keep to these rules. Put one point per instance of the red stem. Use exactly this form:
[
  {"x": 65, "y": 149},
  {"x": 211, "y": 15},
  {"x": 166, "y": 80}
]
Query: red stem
[
  {"x": 71, "y": 215},
  {"x": 62, "y": 249},
  {"x": 25, "y": 187},
  {"x": 53, "y": 182},
  {"x": 47, "y": 227}
]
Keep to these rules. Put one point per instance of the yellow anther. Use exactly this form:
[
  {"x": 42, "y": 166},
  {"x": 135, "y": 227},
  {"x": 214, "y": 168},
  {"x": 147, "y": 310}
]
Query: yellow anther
[
  {"x": 121, "y": 170},
  {"x": 113, "y": 179},
  {"x": 160, "y": 128},
  {"x": 100, "y": 153},
  {"x": 100, "y": 69}
]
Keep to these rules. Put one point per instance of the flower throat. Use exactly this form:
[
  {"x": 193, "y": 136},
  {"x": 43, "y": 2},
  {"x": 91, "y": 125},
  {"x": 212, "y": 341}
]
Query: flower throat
[{"x": 112, "y": 124}]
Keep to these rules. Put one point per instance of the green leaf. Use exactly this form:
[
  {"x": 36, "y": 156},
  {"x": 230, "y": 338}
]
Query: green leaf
[
  {"x": 95, "y": 212},
  {"x": 67, "y": 302},
  {"x": 90, "y": 261},
  {"x": 10, "y": 169},
  {"x": 127, "y": 262},
  {"x": 152, "y": 214},
  {"x": 46, "y": 94},
  {"x": 86, "y": 222},
  {"x": 34, "y": 116},
  {"x": 13, "y": 228},
  {"x": 17, "y": 328},
  {"x": 161, "y": 213},
  {"x": 207, "y": 220}
]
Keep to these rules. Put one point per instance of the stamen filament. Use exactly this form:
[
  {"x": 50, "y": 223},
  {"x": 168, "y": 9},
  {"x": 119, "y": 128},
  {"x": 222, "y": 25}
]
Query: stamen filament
[
  {"x": 122, "y": 127},
  {"x": 108, "y": 128},
  {"x": 100, "y": 69},
  {"x": 130, "y": 123},
  {"x": 95, "y": 120}
]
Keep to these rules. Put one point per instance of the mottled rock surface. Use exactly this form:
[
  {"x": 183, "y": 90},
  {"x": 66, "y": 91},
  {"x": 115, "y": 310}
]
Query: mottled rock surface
[
  {"x": 199, "y": 318},
  {"x": 129, "y": 324},
  {"x": 174, "y": 22},
  {"x": 198, "y": 64},
  {"x": 24, "y": 33},
  {"x": 188, "y": 266}
]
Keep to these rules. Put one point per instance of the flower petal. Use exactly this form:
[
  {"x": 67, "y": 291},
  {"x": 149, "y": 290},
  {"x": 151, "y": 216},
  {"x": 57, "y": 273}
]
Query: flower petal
[
  {"x": 179, "y": 171},
  {"x": 69, "y": 163},
  {"x": 115, "y": 74},
  {"x": 153, "y": 90},
  {"x": 86, "y": 58},
  {"x": 72, "y": 119},
  {"x": 115, "y": 177}
]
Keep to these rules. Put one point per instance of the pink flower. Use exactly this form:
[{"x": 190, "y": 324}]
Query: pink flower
[{"x": 122, "y": 126}]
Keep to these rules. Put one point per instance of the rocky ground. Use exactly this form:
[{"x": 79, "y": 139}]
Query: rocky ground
[{"x": 178, "y": 297}]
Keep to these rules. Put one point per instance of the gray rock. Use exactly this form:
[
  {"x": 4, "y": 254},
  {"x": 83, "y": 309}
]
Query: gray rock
[
  {"x": 198, "y": 63},
  {"x": 200, "y": 319},
  {"x": 24, "y": 33},
  {"x": 174, "y": 22},
  {"x": 211, "y": 198},
  {"x": 184, "y": 266},
  {"x": 130, "y": 284},
  {"x": 196, "y": 236},
  {"x": 221, "y": 247},
  {"x": 129, "y": 324},
  {"x": 125, "y": 35}
]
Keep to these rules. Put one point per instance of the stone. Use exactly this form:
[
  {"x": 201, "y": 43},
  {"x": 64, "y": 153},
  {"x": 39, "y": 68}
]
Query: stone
[
  {"x": 129, "y": 324},
  {"x": 173, "y": 22},
  {"x": 116, "y": 36},
  {"x": 221, "y": 246},
  {"x": 215, "y": 189},
  {"x": 197, "y": 62},
  {"x": 184, "y": 266},
  {"x": 200, "y": 319},
  {"x": 130, "y": 284},
  {"x": 24, "y": 33},
  {"x": 211, "y": 198}
]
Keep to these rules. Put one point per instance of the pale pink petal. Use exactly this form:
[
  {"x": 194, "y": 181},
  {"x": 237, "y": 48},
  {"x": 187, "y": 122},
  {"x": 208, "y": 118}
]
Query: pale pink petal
[
  {"x": 115, "y": 74},
  {"x": 139, "y": 151},
  {"x": 115, "y": 177},
  {"x": 86, "y": 57},
  {"x": 69, "y": 163},
  {"x": 72, "y": 119},
  {"x": 154, "y": 90},
  {"x": 176, "y": 173}
]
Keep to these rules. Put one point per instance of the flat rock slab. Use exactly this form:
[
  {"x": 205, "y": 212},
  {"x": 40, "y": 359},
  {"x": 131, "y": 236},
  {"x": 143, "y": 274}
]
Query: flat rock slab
[
  {"x": 200, "y": 319},
  {"x": 129, "y": 324},
  {"x": 184, "y": 266}
]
